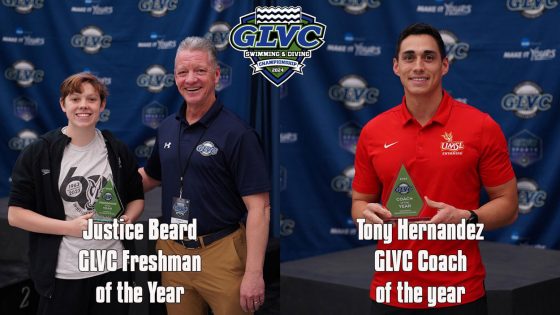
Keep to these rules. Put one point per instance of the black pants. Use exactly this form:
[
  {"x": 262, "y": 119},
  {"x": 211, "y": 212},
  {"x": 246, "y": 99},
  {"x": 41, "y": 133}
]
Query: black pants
[
  {"x": 477, "y": 307},
  {"x": 78, "y": 296}
]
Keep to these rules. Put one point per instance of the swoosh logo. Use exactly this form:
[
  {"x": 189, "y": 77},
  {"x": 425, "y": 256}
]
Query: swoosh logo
[{"x": 386, "y": 146}]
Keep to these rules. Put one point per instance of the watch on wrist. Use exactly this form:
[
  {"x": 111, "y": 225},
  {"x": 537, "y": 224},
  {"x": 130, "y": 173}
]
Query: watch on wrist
[{"x": 473, "y": 219}]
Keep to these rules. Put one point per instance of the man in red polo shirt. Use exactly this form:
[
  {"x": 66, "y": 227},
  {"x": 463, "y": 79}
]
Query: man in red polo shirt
[{"x": 449, "y": 150}]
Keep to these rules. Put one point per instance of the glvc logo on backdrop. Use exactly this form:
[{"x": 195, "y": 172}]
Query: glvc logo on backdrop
[
  {"x": 356, "y": 6},
  {"x": 91, "y": 39},
  {"x": 144, "y": 151},
  {"x": 219, "y": 34},
  {"x": 157, "y": 8},
  {"x": 354, "y": 92},
  {"x": 531, "y": 8},
  {"x": 527, "y": 100},
  {"x": 277, "y": 40},
  {"x": 454, "y": 48},
  {"x": 155, "y": 79},
  {"x": 343, "y": 182},
  {"x": 24, "y": 7},
  {"x": 24, "y": 73},
  {"x": 24, "y": 138},
  {"x": 221, "y": 5},
  {"x": 529, "y": 195}
]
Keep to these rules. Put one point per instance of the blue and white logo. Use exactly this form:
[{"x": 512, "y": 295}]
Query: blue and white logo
[
  {"x": 529, "y": 195},
  {"x": 225, "y": 76},
  {"x": 157, "y": 8},
  {"x": 348, "y": 135},
  {"x": 403, "y": 188},
  {"x": 356, "y": 6},
  {"x": 287, "y": 226},
  {"x": 277, "y": 40},
  {"x": 23, "y": 37},
  {"x": 105, "y": 115},
  {"x": 343, "y": 182},
  {"x": 531, "y": 51},
  {"x": 157, "y": 41},
  {"x": 144, "y": 151},
  {"x": 357, "y": 46},
  {"x": 207, "y": 148},
  {"x": 24, "y": 73},
  {"x": 24, "y": 138},
  {"x": 153, "y": 114},
  {"x": 527, "y": 100},
  {"x": 155, "y": 79},
  {"x": 287, "y": 137},
  {"x": 25, "y": 108},
  {"x": 525, "y": 148},
  {"x": 354, "y": 92},
  {"x": 455, "y": 49},
  {"x": 531, "y": 8},
  {"x": 219, "y": 35},
  {"x": 91, "y": 39},
  {"x": 23, "y": 6},
  {"x": 94, "y": 9},
  {"x": 447, "y": 9},
  {"x": 221, "y": 5}
]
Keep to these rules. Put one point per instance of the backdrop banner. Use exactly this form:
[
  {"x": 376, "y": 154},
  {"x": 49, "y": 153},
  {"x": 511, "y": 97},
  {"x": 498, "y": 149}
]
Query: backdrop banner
[{"x": 504, "y": 61}]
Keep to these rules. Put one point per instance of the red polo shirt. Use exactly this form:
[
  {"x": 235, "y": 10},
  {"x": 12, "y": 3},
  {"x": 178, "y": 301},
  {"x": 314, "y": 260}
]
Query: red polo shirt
[{"x": 449, "y": 159}]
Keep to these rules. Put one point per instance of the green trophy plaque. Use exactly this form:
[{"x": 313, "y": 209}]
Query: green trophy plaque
[
  {"x": 404, "y": 200},
  {"x": 108, "y": 206}
]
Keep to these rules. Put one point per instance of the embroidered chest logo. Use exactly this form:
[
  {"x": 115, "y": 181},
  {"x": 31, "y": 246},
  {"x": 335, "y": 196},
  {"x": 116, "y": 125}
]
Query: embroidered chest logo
[
  {"x": 167, "y": 145},
  {"x": 207, "y": 148},
  {"x": 450, "y": 147}
]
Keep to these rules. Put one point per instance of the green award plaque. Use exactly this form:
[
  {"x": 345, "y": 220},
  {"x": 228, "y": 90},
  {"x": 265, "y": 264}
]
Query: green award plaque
[
  {"x": 108, "y": 206},
  {"x": 404, "y": 200}
]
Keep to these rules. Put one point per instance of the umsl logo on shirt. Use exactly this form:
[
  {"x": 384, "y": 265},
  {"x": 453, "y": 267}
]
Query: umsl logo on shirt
[{"x": 450, "y": 147}]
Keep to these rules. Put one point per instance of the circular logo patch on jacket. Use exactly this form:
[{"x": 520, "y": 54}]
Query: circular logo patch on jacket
[{"x": 207, "y": 148}]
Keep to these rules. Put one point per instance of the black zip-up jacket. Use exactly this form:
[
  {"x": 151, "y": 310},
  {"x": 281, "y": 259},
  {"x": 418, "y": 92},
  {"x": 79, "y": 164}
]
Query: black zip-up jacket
[{"x": 35, "y": 187}]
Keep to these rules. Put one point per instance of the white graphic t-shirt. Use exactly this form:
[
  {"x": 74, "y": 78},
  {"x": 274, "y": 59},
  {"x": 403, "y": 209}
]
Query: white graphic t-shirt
[{"x": 84, "y": 171}]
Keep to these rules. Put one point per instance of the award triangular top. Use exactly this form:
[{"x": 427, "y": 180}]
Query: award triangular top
[
  {"x": 108, "y": 205},
  {"x": 404, "y": 200}
]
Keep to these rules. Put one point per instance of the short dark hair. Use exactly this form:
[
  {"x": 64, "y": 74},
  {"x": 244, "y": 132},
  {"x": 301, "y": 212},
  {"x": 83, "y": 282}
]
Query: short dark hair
[
  {"x": 421, "y": 29},
  {"x": 73, "y": 84}
]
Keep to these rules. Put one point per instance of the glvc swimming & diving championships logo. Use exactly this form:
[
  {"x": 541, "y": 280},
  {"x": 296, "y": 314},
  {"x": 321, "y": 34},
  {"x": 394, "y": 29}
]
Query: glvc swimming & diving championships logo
[{"x": 277, "y": 40}]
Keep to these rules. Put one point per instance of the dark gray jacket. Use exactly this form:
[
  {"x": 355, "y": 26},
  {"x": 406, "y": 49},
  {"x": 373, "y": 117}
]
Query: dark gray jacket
[{"x": 35, "y": 187}]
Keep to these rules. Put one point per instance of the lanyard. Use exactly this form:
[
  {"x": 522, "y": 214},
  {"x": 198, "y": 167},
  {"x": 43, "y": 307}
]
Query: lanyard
[{"x": 185, "y": 168}]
